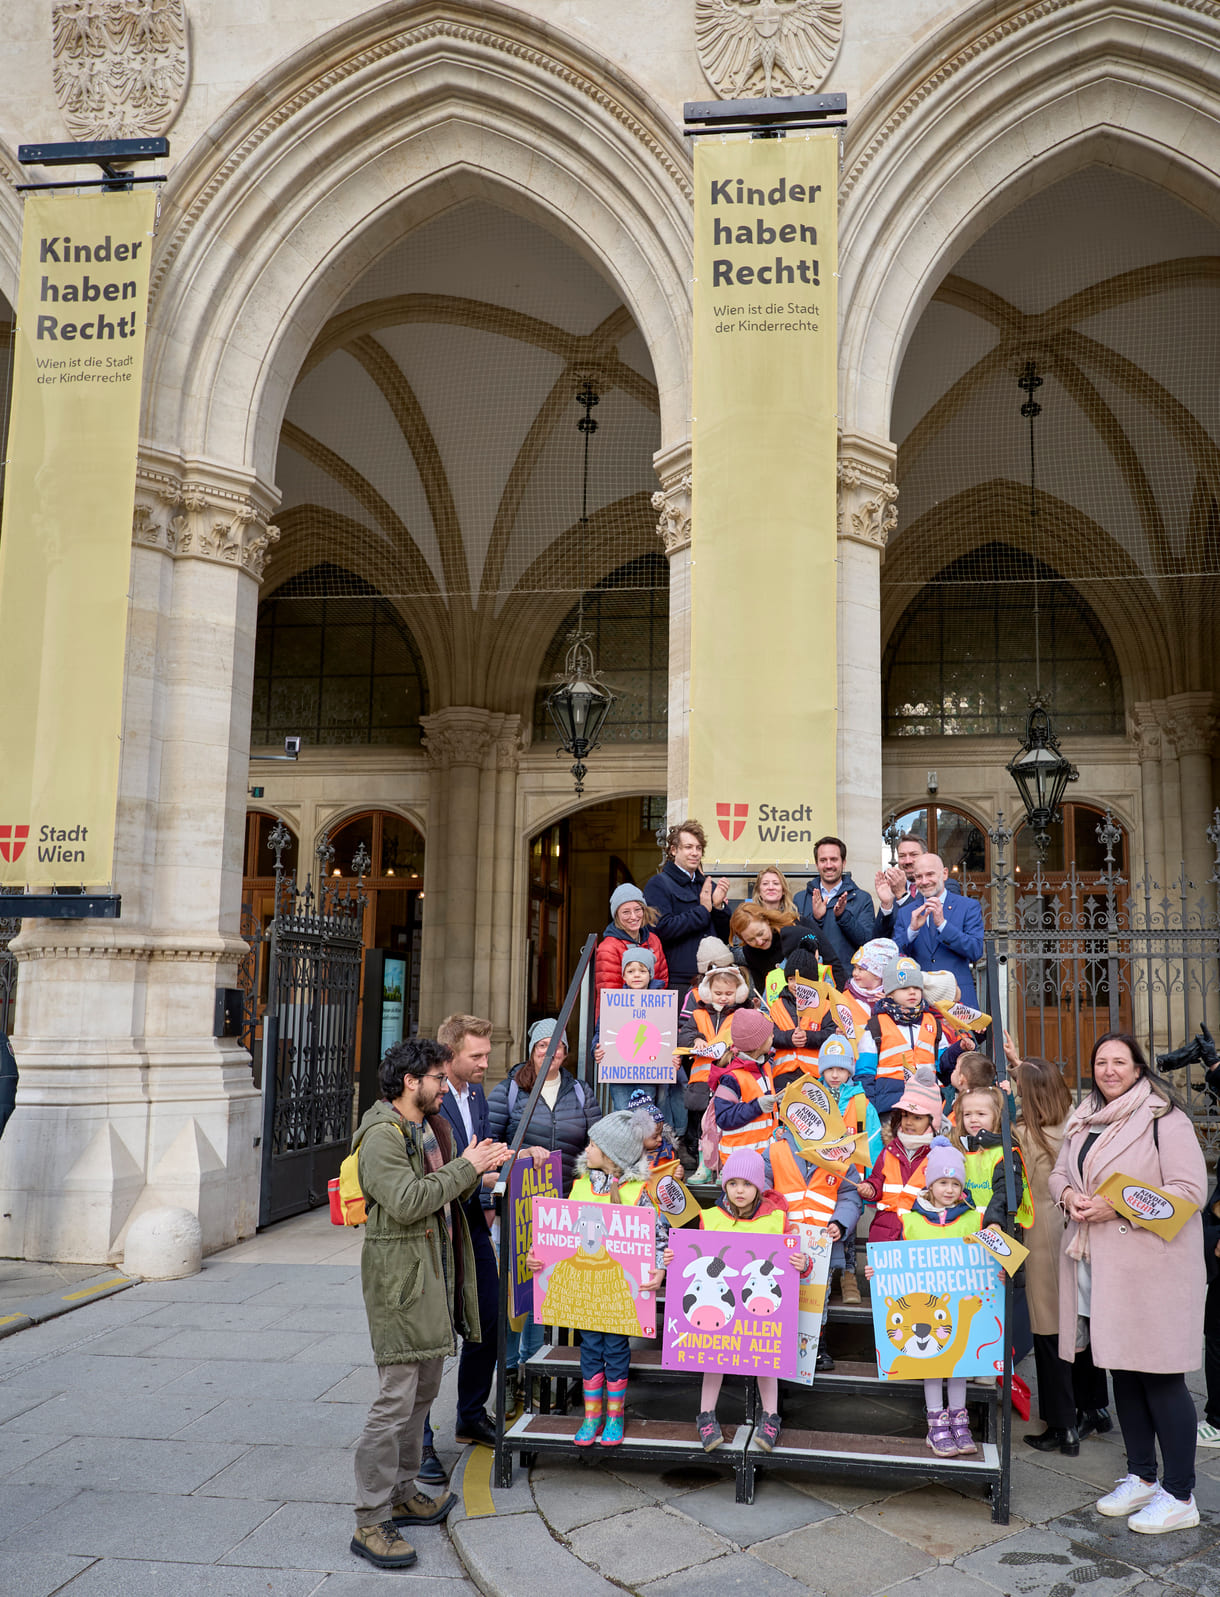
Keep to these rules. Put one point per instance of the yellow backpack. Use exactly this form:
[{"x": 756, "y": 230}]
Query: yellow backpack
[{"x": 347, "y": 1205}]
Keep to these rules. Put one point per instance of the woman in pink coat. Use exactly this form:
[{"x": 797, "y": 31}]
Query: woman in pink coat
[{"x": 1132, "y": 1296}]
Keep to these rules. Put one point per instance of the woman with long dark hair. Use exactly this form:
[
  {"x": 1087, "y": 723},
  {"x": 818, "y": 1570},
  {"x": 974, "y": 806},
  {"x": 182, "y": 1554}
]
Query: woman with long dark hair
[{"x": 1133, "y": 1296}]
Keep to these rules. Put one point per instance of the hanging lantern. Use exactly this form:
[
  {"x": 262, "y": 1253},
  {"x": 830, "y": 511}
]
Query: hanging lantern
[
  {"x": 1042, "y": 772},
  {"x": 579, "y": 703}
]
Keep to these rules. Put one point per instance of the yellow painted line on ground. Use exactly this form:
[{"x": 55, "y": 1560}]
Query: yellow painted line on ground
[
  {"x": 98, "y": 1286},
  {"x": 7, "y": 1319},
  {"x": 476, "y": 1483}
]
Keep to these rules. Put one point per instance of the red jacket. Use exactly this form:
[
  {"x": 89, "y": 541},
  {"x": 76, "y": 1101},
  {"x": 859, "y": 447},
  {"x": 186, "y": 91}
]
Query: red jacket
[
  {"x": 608, "y": 957},
  {"x": 887, "y": 1223}
]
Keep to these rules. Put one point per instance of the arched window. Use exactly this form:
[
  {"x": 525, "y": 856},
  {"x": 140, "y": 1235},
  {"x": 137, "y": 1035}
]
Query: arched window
[
  {"x": 961, "y": 660},
  {"x": 259, "y": 858},
  {"x": 627, "y": 617},
  {"x": 335, "y": 671}
]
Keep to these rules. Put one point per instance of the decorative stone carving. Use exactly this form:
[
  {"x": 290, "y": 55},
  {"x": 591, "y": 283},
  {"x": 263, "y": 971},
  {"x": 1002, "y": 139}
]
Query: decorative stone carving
[
  {"x": 1191, "y": 723},
  {"x": 201, "y": 521},
  {"x": 672, "y": 504},
  {"x": 1147, "y": 732},
  {"x": 751, "y": 47},
  {"x": 119, "y": 66},
  {"x": 867, "y": 495},
  {"x": 457, "y": 736}
]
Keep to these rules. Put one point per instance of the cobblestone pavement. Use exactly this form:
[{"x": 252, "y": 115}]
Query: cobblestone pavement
[{"x": 195, "y": 1436}]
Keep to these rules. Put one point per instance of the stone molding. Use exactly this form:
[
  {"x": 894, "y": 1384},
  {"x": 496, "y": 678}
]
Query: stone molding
[
  {"x": 464, "y": 735},
  {"x": 672, "y": 503},
  {"x": 195, "y": 519},
  {"x": 867, "y": 493},
  {"x": 395, "y": 46},
  {"x": 1191, "y": 723},
  {"x": 120, "y": 67},
  {"x": 1147, "y": 732},
  {"x": 759, "y": 48}
]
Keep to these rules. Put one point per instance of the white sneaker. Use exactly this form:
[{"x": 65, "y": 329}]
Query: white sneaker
[
  {"x": 1208, "y": 1435},
  {"x": 1165, "y": 1513},
  {"x": 1129, "y": 1494}
]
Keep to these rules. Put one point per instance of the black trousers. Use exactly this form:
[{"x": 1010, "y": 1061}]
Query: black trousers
[
  {"x": 1152, "y": 1409},
  {"x": 1211, "y": 1349},
  {"x": 477, "y": 1364},
  {"x": 1063, "y": 1388}
]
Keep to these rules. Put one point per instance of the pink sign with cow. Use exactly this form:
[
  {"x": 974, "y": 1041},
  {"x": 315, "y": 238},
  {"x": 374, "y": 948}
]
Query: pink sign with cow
[{"x": 731, "y": 1303}]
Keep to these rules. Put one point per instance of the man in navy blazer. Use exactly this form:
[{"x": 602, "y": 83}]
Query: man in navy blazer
[
  {"x": 938, "y": 929},
  {"x": 465, "y": 1107}
]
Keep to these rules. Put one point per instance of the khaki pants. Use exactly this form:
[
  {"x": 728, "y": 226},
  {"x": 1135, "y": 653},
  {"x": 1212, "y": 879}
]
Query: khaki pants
[{"x": 388, "y": 1452}]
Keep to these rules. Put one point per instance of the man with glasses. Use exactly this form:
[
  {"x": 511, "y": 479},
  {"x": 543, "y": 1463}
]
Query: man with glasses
[{"x": 420, "y": 1284}]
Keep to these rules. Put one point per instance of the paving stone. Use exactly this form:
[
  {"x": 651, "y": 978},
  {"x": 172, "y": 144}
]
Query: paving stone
[
  {"x": 333, "y": 1319},
  {"x": 309, "y": 1286},
  {"x": 82, "y": 1372},
  {"x": 139, "y": 1525},
  {"x": 207, "y": 1345},
  {"x": 15, "y": 1401},
  {"x": 318, "y": 1536},
  {"x": 944, "y": 1581},
  {"x": 776, "y": 1509},
  {"x": 22, "y": 1505},
  {"x": 215, "y": 1283},
  {"x": 350, "y": 1349},
  {"x": 519, "y": 1555},
  {"x": 23, "y": 1576},
  {"x": 194, "y": 1315},
  {"x": 358, "y": 1386},
  {"x": 1110, "y": 1538},
  {"x": 570, "y": 1495},
  {"x": 1040, "y": 1494},
  {"x": 938, "y": 1520},
  {"x": 844, "y": 1556},
  {"x": 841, "y": 1494},
  {"x": 1101, "y": 1462},
  {"x": 19, "y": 1445},
  {"x": 128, "y": 1341},
  {"x": 284, "y": 1474},
  {"x": 230, "y": 1378},
  {"x": 736, "y": 1572},
  {"x": 1199, "y": 1576},
  {"x": 100, "y": 1413},
  {"x": 254, "y": 1420},
  {"x": 417, "y": 1582},
  {"x": 136, "y": 1465},
  {"x": 1042, "y": 1563},
  {"x": 644, "y": 1545},
  {"x": 129, "y": 1577}
]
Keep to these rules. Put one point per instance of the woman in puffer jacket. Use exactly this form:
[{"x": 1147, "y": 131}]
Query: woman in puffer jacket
[{"x": 631, "y": 920}]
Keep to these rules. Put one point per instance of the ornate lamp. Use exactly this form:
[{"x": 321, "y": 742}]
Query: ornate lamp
[{"x": 580, "y": 701}]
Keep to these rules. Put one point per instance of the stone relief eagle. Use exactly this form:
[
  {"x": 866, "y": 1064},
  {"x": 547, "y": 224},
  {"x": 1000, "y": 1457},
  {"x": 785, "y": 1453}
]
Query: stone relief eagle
[
  {"x": 119, "y": 66},
  {"x": 767, "y": 47}
]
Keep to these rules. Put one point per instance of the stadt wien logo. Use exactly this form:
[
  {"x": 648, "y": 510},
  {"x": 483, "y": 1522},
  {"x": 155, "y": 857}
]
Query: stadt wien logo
[
  {"x": 12, "y": 842},
  {"x": 731, "y": 819}
]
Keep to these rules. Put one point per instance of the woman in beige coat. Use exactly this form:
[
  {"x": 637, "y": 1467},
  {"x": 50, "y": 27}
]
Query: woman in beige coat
[
  {"x": 1072, "y": 1397},
  {"x": 1136, "y": 1296}
]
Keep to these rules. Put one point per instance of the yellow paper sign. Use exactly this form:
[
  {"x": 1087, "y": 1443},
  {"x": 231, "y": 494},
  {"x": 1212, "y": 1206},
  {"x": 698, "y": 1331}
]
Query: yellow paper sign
[
  {"x": 668, "y": 1193},
  {"x": 1011, "y": 1253},
  {"x": 963, "y": 1016},
  {"x": 65, "y": 547},
  {"x": 1146, "y": 1205},
  {"x": 840, "y": 1155},
  {"x": 815, "y": 996},
  {"x": 811, "y": 1115}
]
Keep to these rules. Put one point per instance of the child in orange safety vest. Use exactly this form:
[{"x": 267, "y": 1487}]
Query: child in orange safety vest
[
  {"x": 904, "y": 1034},
  {"x": 897, "y": 1178},
  {"x": 743, "y": 1089},
  {"x": 704, "y": 1032}
]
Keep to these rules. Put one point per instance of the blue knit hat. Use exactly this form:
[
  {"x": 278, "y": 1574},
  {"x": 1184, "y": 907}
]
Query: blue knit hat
[
  {"x": 640, "y": 954},
  {"x": 628, "y": 893},
  {"x": 541, "y": 1030}
]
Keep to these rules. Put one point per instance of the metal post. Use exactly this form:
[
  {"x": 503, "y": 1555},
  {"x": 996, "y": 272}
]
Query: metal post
[{"x": 1000, "y": 1506}]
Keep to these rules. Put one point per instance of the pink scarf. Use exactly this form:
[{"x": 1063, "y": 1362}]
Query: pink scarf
[{"x": 1108, "y": 1119}]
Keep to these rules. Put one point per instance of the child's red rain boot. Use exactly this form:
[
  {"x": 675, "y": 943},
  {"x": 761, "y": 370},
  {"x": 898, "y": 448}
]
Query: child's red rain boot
[
  {"x": 594, "y": 1389},
  {"x": 616, "y": 1402}
]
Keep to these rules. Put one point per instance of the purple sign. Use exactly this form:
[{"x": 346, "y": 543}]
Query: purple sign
[
  {"x": 731, "y": 1303},
  {"x": 524, "y": 1185}
]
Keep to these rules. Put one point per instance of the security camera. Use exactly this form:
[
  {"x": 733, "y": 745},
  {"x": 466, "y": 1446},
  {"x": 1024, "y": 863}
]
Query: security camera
[{"x": 292, "y": 747}]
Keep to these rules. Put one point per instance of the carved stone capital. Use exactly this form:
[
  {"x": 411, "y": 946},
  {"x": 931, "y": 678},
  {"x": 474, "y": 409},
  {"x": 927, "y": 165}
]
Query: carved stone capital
[
  {"x": 120, "y": 67},
  {"x": 672, "y": 500},
  {"x": 510, "y": 744},
  {"x": 867, "y": 492},
  {"x": 192, "y": 518},
  {"x": 1147, "y": 731},
  {"x": 459, "y": 735},
  {"x": 1191, "y": 723}
]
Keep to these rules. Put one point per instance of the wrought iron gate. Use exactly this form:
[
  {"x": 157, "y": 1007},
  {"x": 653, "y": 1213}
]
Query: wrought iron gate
[
  {"x": 1084, "y": 955},
  {"x": 305, "y": 968}
]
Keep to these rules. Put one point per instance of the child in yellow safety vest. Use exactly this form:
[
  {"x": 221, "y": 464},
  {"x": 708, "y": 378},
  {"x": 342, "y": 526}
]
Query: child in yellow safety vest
[
  {"x": 902, "y": 1035},
  {"x": 976, "y": 1132},
  {"x": 942, "y": 1213},
  {"x": 745, "y": 1204}
]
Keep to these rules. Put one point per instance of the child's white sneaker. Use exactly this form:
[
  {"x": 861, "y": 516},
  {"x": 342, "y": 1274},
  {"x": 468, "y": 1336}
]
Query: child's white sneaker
[
  {"x": 1129, "y": 1494},
  {"x": 1165, "y": 1513},
  {"x": 1208, "y": 1434}
]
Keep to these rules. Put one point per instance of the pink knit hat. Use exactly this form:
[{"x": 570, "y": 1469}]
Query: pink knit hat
[
  {"x": 921, "y": 1095},
  {"x": 744, "y": 1165},
  {"x": 751, "y": 1031}
]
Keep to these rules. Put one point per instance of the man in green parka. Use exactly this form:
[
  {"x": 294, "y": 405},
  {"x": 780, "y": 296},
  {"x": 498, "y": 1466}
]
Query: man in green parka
[{"x": 420, "y": 1294}]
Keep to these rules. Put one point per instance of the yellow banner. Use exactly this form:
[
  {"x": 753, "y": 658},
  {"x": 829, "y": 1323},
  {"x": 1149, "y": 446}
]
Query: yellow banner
[
  {"x": 65, "y": 542},
  {"x": 763, "y": 552}
]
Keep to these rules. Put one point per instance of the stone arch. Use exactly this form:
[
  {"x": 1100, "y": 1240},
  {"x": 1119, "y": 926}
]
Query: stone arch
[
  {"x": 349, "y": 812},
  {"x": 994, "y": 106},
  {"x": 569, "y": 804},
  {"x": 435, "y": 103}
]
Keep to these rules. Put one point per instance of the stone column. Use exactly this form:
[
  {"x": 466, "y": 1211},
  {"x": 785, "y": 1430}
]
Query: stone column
[
  {"x": 867, "y": 517},
  {"x": 1147, "y": 719},
  {"x": 126, "y": 1101},
  {"x": 1192, "y": 725},
  {"x": 672, "y": 503},
  {"x": 506, "y": 936}
]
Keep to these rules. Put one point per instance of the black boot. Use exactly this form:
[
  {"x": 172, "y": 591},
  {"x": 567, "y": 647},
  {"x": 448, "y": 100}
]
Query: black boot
[
  {"x": 1089, "y": 1420},
  {"x": 1066, "y": 1441}
]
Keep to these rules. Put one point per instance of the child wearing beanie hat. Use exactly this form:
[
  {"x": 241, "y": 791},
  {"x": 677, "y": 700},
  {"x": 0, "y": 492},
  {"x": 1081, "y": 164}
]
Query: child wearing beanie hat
[
  {"x": 943, "y": 1212},
  {"x": 745, "y": 1204},
  {"x": 799, "y": 1033},
  {"x": 903, "y": 1033},
  {"x": 612, "y": 1169},
  {"x": 837, "y": 1069},
  {"x": 897, "y": 1178},
  {"x": 659, "y": 1143},
  {"x": 704, "y": 1032},
  {"x": 743, "y": 1087}
]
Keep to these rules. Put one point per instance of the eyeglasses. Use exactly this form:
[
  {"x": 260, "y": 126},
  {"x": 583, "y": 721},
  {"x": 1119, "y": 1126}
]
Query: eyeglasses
[{"x": 432, "y": 1076}]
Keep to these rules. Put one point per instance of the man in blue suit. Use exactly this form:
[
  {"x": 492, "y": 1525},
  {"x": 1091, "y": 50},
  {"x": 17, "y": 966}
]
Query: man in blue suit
[
  {"x": 938, "y": 929},
  {"x": 465, "y": 1107}
]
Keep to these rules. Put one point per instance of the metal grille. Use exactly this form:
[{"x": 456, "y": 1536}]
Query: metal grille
[
  {"x": 8, "y": 975},
  {"x": 1080, "y": 954}
]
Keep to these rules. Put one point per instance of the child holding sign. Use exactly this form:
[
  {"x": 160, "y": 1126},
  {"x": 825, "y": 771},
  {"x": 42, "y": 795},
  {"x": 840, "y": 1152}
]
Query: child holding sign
[
  {"x": 942, "y": 1212},
  {"x": 976, "y": 1132},
  {"x": 746, "y": 1204},
  {"x": 612, "y": 1169}
]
